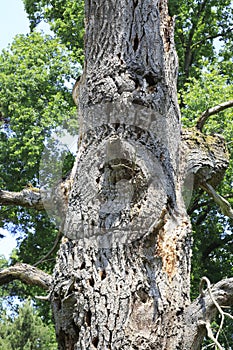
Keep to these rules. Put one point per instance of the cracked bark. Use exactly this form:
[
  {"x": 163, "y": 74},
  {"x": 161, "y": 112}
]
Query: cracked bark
[{"x": 122, "y": 276}]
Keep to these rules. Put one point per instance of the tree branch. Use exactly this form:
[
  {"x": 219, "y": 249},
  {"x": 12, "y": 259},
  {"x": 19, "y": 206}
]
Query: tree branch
[
  {"x": 211, "y": 111},
  {"x": 222, "y": 202},
  {"x": 203, "y": 310},
  {"x": 206, "y": 38},
  {"x": 198, "y": 205},
  {"x": 29, "y": 198},
  {"x": 27, "y": 274}
]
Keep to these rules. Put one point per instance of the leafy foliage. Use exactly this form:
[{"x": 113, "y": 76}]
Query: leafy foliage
[
  {"x": 34, "y": 99},
  {"x": 66, "y": 19},
  {"x": 212, "y": 232},
  {"x": 36, "y": 78},
  {"x": 198, "y": 23},
  {"x": 26, "y": 331}
]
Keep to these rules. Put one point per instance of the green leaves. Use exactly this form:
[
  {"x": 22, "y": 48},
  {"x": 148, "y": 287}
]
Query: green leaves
[
  {"x": 26, "y": 331},
  {"x": 66, "y": 20},
  {"x": 34, "y": 75},
  {"x": 198, "y": 25}
]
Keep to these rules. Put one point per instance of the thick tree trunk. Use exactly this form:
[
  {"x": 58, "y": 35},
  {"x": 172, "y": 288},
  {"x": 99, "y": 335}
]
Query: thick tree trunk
[{"x": 122, "y": 275}]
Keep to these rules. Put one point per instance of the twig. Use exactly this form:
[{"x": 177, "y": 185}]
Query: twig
[
  {"x": 57, "y": 240},
  {"x": 211, "y": 336},
  {"x": 211, "y": 111},
  {"x": 220, "y": 310}
]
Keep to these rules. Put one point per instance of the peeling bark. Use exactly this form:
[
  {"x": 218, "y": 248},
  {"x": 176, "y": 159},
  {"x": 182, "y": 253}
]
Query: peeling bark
[
  {"x": 122, "y": 276},
  {"x": 127, "y": 253}
]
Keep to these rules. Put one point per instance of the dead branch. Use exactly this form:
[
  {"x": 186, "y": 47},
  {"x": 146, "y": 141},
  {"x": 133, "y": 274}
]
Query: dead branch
[
  {"x": 27, "y": 274},
  {"x": 210, "y": 334},
  {"x": 222, "y": 202},
  {"x": 29, "y": 198},
  {"x": 211, "y": 111},
  {"x": 203, "y": 310}
]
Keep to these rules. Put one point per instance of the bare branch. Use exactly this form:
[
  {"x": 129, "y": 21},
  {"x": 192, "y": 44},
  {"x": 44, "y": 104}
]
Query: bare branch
[
  {"x": 220, "y": 310},
  {"x": 204, "y": 310},
  {"x": 211, "y": 111},
  {"x": 222, "y": 202},
  {"x": 29, "y": 198},
  {"x": 27, "y": 274},
  {"x": 50, "y": 252}
]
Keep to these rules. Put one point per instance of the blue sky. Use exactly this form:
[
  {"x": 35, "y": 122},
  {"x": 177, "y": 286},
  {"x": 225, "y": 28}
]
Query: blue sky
[{"x": 13, "y": 20}]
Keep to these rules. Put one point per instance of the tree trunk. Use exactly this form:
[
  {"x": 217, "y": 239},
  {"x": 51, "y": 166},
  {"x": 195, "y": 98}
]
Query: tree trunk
[{"x": 122, "y": 275}]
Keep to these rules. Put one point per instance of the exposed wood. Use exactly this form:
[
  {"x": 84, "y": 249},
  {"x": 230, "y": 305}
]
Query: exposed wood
[
  {"x": 211, "y": 111},
  {"x": 27, "y": 274},
  {"x": 123, "y": 273},
  {"x": 122, "y": 276}
]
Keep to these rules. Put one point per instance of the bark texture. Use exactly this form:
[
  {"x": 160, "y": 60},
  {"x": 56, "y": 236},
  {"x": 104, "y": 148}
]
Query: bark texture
[
  {"x": 122, "y": 275},
  {"x": 203, "y": 310},
  {"x": 26, "y": 198}
]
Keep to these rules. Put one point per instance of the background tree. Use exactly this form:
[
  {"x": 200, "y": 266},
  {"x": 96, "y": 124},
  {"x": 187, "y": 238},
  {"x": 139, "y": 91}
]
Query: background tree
[
  {"x": 26, "y": 331},
  {"x": 36, "y": 78}
]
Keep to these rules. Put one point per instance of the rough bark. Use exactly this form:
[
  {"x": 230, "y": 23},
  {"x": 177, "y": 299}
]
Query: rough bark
[
  {"x": 25, "y": 198},
  {"x": 122, "y": 277},
  {"x": 203, "y": 310},
  {"x": 54, "y": 200}
]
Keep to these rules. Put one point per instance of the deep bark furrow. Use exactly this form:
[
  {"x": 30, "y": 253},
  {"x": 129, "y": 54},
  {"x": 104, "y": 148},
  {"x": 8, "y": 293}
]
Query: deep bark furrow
[
  {"x": 111, "y": 295},
  {"x": 127, "y": 264}
]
